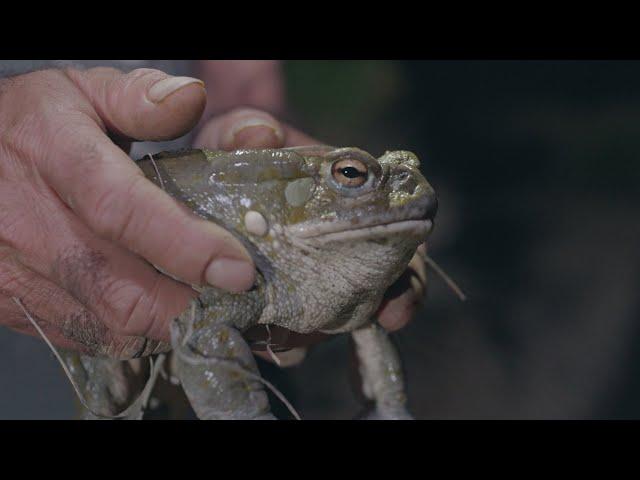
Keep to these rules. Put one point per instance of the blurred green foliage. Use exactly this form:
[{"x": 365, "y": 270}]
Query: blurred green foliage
[
  {"x": 537, "y": 166},
  {"x": 341, "y": 102},
  {"x": 575, "y": 123}
]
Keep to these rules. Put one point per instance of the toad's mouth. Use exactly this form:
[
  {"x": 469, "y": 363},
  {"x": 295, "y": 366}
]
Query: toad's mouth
[
  {"x": 416, "y": 219},
  {"x": 408, "y": 228}
]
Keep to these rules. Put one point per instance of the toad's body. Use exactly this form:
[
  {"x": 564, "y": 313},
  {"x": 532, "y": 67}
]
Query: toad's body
[{"x": 329, "y": 230}]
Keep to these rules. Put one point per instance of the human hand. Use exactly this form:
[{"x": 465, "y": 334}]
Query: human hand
[{"x": 80, "y": 224}]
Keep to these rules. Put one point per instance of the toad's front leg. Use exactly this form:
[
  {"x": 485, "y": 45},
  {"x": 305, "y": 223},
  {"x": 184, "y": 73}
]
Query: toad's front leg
[
  {"x": 215, "y": 365},
  {"x": 381, "y": 373}
]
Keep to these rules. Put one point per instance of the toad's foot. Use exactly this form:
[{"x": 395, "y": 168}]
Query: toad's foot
[{"x": 381, "y": 373}]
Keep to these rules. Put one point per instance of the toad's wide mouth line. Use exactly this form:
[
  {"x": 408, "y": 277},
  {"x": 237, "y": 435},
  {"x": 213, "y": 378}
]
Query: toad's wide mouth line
[
  {"x": 360, "y": 221},
  {"x": 416, "y": 227}
]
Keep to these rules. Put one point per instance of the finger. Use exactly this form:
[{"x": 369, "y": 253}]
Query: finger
[
  {"x": 241, "y": 128},
  {"x": 36, "y": 293},
  {"x": 419, "y": 270},
  {"x": 144, "y": 104},
  {"x": 64, "y": 321},
  {"x": 405, "y": 295},
  {"x": 112, "y": 196},
  {"x": 396, "y": 313},
  {"x": 114, "y": 346},
  {"x": 250, "y": 128},
  {"x": 125, "y": 293},
  {"x": 255, "y": 83}
]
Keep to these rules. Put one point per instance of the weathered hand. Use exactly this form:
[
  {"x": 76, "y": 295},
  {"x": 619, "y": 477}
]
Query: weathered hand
[{"x": 80, "y": 225}]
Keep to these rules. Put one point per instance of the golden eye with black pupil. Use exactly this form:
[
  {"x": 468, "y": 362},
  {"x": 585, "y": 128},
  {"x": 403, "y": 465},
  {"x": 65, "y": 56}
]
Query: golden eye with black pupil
[{"x": 350, "y": 172}]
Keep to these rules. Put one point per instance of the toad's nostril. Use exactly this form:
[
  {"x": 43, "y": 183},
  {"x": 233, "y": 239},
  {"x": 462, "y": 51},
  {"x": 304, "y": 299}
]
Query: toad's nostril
[
  {"x": 403, "y": 177},
  {"x": 404, "y": 182},
  {"x": 413, "y": 186}
]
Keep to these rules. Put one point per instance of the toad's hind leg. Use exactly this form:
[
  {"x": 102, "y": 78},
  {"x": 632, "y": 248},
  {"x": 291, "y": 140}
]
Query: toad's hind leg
[
  {"x": 381, "y": 373},
  {"x": 216, "y": 367}
]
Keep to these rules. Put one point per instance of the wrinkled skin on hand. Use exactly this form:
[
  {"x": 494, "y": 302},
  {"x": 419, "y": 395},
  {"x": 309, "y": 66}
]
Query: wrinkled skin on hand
[{"x": 70, "y": 215}]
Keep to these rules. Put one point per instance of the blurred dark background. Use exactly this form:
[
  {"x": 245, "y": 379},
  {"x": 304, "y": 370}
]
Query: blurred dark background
[{"x": 537, "y": 167}]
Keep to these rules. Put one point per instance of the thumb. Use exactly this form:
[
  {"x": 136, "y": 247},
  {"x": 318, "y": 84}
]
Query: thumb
[{"x": 144, "y": 104}]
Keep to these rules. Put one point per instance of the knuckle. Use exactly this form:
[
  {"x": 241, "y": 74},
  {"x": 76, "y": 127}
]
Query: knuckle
[
  {"x": 122, "y": 298},
  {"x": 38, "y": 126},
  {"x": 118, "y": 306},
  {"x": 71, "y": 159},
  {"x": 87, "y": 79},
  {"x": 128, "y": 308},
  {"x": 138, "y": 309}
]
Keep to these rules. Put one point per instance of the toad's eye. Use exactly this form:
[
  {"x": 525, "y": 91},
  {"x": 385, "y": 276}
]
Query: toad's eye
[{"x": 350, "y": 172}]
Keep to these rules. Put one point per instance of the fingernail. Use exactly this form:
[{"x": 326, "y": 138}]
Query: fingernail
[
  {"x": 230, "y": 274},
  {"x": 246, "y": 130},
  {"x": 165, "y": 87}
]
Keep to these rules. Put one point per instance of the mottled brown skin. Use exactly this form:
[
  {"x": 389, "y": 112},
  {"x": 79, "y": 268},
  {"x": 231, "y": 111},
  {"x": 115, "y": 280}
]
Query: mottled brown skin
[{"x": 329, "y": 230}]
